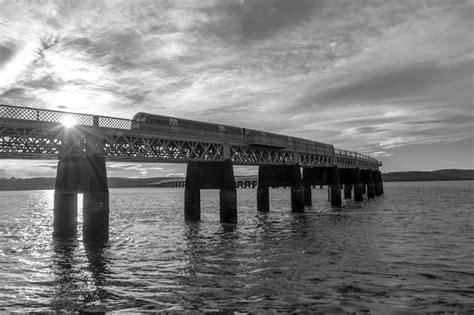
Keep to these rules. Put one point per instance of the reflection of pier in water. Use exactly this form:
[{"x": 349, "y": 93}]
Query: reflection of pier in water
[{"x": 80, "y": 279}]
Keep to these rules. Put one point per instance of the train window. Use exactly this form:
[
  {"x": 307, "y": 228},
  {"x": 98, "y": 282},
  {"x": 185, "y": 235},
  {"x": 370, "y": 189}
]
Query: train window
[
  {"x": 245, "y": 132},
  {"x": 173, "y": 122}
]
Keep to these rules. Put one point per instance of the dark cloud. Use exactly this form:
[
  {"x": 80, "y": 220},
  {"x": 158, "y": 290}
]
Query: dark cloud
[
  {"x": 263, "y": 18},
  {"x": 14, "y": 93},
  {"x": 7, "y": 51},
  {"x": 369, "y": 129},
  {"x": 46, "y": 82},
  {"x": 408, "y": 81}
]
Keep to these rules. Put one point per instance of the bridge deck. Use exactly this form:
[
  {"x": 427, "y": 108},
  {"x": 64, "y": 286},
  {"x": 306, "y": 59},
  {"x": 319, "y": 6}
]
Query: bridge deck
[{"x": 32, "y": 133}]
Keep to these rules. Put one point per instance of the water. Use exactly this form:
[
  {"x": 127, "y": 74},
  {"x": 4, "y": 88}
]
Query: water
[{"x": 409, "y": 250}]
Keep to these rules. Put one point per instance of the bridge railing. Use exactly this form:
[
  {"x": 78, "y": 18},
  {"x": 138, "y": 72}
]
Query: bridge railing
[
  {"x": 351, "y": 154},
  {"x": 53, "y": 116},
  {"x": 43, "y": 115}
]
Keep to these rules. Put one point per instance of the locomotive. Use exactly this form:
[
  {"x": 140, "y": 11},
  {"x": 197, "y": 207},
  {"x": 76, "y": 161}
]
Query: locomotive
[{"x": 234, "y": 135}]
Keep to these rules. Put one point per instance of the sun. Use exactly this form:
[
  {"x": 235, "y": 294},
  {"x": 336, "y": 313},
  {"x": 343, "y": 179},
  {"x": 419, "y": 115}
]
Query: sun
[{"x": 68, "y": 121}]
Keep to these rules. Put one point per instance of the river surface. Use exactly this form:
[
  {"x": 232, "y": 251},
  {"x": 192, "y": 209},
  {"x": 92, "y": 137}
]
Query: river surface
[{"x": 411, "y": 250}]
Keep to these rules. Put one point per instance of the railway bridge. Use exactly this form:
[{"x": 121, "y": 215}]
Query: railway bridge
[{"x": 83, "y": 143}]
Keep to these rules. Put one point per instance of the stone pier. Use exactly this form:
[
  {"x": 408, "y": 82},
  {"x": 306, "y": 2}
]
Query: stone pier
[
  {"x": 335, "y": 186},
  {"x": 313, "y": 176},
  {"x": 357, "y": 182},
  {"x": 280, "y": 176},
  {"x": 367, "y": 179},
  {"x": 377, "y": 176},
  {"x": 345, "y": 177},
  {"x": 81, "y": 169},
  {"x": 347, "y": 191},
  {"x": 210, "y": 175}
]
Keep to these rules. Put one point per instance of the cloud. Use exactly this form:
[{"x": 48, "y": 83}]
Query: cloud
[
  {"x": 364, "y": 75},
  {"x": 418, "y": 82},
  {"x": 7, "y": 51},
  {"x": 261, "y": 19}
]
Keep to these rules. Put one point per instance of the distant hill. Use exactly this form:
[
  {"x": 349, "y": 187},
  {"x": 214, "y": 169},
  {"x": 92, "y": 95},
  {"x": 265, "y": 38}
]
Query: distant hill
[
  {"x": 439, "y": 175},
  {"x": 121, "y": 182}
]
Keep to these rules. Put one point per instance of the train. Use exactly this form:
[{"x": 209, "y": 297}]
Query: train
[{"x": 234, "y": 135}]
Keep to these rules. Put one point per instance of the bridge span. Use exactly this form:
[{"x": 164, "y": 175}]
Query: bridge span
[{"x": 83, "y": 143}]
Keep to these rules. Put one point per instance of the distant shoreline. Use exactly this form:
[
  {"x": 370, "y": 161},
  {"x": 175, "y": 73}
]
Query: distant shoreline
[{"x": 46, "y": 183}]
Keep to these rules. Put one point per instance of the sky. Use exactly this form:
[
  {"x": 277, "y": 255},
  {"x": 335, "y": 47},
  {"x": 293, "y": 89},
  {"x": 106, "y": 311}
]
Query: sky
[{"x": 391, "y": 79}]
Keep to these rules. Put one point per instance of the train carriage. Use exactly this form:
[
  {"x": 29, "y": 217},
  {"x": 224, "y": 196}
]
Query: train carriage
[{"x": 250, "y": 137}]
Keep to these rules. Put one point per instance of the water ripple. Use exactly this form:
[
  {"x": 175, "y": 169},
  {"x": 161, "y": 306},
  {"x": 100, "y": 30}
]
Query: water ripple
[{"x": 408, "y": 251}]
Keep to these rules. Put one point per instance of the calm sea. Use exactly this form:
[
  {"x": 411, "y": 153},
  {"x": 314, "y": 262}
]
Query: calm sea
[{"x": 409, "y": 250}]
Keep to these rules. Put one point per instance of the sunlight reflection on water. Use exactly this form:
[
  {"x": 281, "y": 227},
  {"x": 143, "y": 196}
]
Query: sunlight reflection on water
[{"x": 409, "y": 250}]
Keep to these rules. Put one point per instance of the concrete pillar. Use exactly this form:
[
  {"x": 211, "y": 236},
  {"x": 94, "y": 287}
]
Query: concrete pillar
[
  {"x": 210, "y": 175},
  {"x": 81, "y": 168},
  {"x": 377, "y": 182},
  {"x": 370, "y": 185},
  {"x": 192, "y": 204},
  {"x": 347, "y": 191},
  {"x": 297, "y": 190},
  {"x": 381, "y": 182},
  {"x": 358, "y": 194},
  {"x": 95, "y": 227},
  {"x": 65, "y": 214},
  {"x": 68, "y": 182},
  {"x": 263, "y": 194},
  {"x": 263, "y": 199},
  {"x": 297, "y": 199},
  {"x": 307, "y": 195},
  {"x": 228, "y": 205},
  {"x": 335, "y": 187}
]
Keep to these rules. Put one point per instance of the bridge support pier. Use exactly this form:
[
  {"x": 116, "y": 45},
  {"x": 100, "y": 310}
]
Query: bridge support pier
[
  {"x": 345, "y": 177},
  {"x": 307, "y": 195},
  {"x": 367, "y": 178},
  {"x": 358, "y": 194},
  {"x": 377, "y": 182},
  {"x": 347, "y": 191},
  {"x": 335, "y": 186},
  {"x": 95, "y": 226},
  {"x": 228, "y": 205},
  {"x": 297, "y": 190},
  {"x": 65, "y": 214},
  {"x": 297, "y": 199},
  {"x": 313, "y": 176},
  {"x": 263, "y": 198},
  {"x": 81, "y": 173},
  {"x": 381, "y": 182},
  {"x": 280, "y": 176},
  {"x": 210, "y": 175},
  {"x": 192, "y": 204}
]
